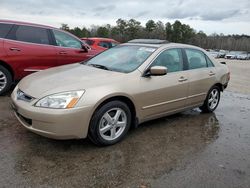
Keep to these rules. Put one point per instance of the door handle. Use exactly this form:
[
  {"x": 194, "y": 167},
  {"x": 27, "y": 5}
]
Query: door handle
[
  {"x": 15, "y": 49},
  {"x": 82, "y": 51},
  {"x": 211, "y": 73},
  {"x": 182, "y": 79},
  {"x": 62, "y": 52}
]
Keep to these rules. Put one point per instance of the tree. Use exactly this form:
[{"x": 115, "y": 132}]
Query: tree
[
  {"x": 133, "y": 28},
  {"x": 102, "y": 32},
  {"x": 85, "y": 32},
  {"x": 150, "y": 26},
  {"x": 186, "y": 33},
  {"x": 177, "y": 32},
  {"x": 121, "y": 28},
  {"x": 169, "y": 31},
  {"x": 201, "y": 34},
  {"x": 159, "y": 31},
  {"x": 64, "y": 27},
  {"x": 77, "y": 31}
]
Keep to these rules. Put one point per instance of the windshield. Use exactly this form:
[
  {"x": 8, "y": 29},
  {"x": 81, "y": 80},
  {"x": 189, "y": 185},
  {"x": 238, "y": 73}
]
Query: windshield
[{"x": 121, "y": 58}]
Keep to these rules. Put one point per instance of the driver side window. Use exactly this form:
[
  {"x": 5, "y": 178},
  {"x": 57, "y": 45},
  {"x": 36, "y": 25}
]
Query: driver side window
[
  {"x": 172, "y": 59},
  {"x": 65, "y": 40}
]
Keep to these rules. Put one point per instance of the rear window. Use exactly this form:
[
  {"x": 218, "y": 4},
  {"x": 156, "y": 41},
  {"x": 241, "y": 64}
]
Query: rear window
[
  {"x": 114, "y": 44},
  {"x": 90, "y": 42},
  {"x": 32, "y": 35},
  {"x": 105, "y": 44},
  {"x": 196, "y": 59},
  {"x": 4, "y": 29}
]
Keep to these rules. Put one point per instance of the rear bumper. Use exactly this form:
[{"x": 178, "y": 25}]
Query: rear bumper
[{"x": 53, "y": 123}]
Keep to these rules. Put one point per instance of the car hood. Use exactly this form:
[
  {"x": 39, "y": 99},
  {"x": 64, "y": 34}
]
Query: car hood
[{"x": 66, "y": 78}]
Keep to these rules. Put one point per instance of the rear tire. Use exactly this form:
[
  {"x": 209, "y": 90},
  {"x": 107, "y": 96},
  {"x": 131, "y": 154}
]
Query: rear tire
[
  {"x": 5, "y": 80},
  {"x": 212, "y": 100},
  {"x": 110, "y": 123}
]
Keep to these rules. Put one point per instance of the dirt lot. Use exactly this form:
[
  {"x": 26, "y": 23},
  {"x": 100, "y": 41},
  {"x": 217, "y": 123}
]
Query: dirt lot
[{"x": 190, "y": 149}]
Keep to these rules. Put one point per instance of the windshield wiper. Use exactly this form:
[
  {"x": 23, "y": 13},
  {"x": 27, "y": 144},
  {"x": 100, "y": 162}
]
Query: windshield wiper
[{"x": 99, "y": 66}]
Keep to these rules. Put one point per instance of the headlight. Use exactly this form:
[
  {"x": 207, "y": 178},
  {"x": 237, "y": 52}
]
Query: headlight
[{"x": 60, "y": 100}]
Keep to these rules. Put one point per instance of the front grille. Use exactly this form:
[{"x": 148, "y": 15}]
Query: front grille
[{"x": 24, "y": 97}]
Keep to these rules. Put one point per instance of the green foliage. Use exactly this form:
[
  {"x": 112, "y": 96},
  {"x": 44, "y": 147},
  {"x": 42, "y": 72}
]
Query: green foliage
[
  {"x": 125, "y": 30},
  {"x": 169, "y": 31},
  {"x": 85, "y": 32},
  {"x": 103, "y": 32},
  {"x": 133, "y": 28},
  {"x": 64, "y": 27},
  {"x": 150, "y": 26}
]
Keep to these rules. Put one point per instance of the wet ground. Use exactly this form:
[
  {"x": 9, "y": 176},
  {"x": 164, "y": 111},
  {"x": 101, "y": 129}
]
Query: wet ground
[{"x": 190, "y": 149}]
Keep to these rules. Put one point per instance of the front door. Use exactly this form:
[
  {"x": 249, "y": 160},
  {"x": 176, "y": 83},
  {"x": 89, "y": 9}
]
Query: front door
[
  {"x": 69, "y": 49},
  {"x": 167, "y": 93}
]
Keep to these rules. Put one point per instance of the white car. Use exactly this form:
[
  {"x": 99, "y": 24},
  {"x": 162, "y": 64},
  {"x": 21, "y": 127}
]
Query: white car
[
  {"x": 243, "y": 56},
  {"x": 214, "y": 54},
  {"x": 232, "y": 55}
]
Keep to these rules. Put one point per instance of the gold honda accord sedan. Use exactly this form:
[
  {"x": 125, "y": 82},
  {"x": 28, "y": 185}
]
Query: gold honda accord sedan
[{"x": 122, "y": 87}]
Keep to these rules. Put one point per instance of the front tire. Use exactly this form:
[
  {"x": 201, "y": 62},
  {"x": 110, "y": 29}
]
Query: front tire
[
  {"x": 110, "y": 123},
  {"x": 212, "y": 100},
  {"x": 5, "y": 80}
]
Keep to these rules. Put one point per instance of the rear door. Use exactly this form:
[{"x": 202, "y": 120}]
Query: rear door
[
  {"x": 69, "y": 49},
  {"x": 201, "y": 75},
  {"x": 29, "y": 50}
]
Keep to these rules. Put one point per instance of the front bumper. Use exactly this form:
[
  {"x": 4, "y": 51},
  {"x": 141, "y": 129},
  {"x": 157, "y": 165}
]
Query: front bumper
[{"x": 53, "y": 123}]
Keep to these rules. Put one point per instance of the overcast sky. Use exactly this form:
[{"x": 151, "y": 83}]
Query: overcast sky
[{"x": 220, "y": 16}]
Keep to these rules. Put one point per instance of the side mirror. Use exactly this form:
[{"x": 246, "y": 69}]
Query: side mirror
[
  {"x": 157, "y": 71},
  {"x": 85, "y": 48}
]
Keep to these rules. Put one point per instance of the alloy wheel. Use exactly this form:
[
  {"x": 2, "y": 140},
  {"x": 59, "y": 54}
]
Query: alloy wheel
[
  {"x": 112, "y": 124},
  {"x": 213, "y": 99},
  {"x": 3, "y": 80}
]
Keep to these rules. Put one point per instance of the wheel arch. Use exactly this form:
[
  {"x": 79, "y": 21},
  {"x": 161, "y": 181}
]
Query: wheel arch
[
  {"x": 119, "y": 97},
  {"x": 8, "y": 67},
  {"x": 220, "y": 86}
]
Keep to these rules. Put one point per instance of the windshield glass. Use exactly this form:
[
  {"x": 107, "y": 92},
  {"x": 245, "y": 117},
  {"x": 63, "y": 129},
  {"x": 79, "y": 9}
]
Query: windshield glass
[{"x": 121, "y": 58}]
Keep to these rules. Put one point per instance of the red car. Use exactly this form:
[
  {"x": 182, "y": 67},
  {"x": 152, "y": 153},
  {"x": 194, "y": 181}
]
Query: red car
[
  {"x": 100, "y": 44},
  {"x": 26, "y": 48}
]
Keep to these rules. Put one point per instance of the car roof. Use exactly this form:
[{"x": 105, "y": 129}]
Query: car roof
[
  {"x": 99, "y": 38},
  {"x": 163, "y": 44},
  {"x": 148, "y": 41},
  {"x": 26, "y": 23}
]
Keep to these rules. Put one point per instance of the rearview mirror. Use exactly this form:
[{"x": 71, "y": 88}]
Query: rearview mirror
[{"x": 158, "y": 70}]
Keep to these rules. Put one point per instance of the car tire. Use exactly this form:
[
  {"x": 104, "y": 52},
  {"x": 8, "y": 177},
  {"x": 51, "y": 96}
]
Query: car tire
[
  {"x": 212, "y": 100},
  {"x": 110, "y": 123},
  {"x": 5, "y": 80}
]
